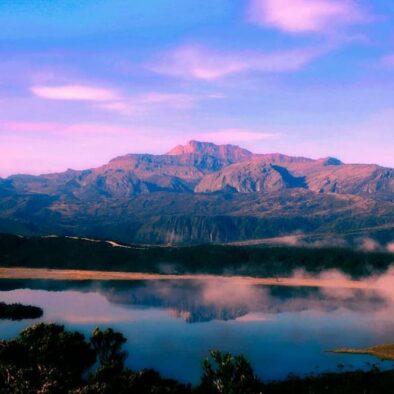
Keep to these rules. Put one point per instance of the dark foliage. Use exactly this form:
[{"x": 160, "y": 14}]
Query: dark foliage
[
  {"x": 226, "y": 374},
  {"x": 44, "y": 358},
  {"x": 47, "y": 359},
  {"x": 19, "y": 311},
  {"x": 108, "y": 346},
  {"x": 358, "y": 382},
  {"x": 110, "y": 379},
  {"x": 212, "y": 259}
]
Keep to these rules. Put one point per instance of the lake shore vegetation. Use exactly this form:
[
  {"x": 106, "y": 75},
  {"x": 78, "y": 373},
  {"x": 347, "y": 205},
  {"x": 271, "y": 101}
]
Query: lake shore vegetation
[{"x": 46, "y": 358}]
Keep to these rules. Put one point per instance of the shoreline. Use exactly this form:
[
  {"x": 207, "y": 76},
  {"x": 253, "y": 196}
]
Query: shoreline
[
  {"x": 383, "y": 352},
  {"x": 60, "y": 274}
]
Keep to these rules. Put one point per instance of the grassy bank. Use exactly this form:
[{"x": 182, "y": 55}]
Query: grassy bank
[
  {"x": 383, "y": 352},
  {"x": 84, "y": 275}
]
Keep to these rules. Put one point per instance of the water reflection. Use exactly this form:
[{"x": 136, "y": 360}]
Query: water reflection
[
  {"x": 218, "y": 300},
  {"x": 171, "y": 325},
  {"x": 196, "y": 301}
]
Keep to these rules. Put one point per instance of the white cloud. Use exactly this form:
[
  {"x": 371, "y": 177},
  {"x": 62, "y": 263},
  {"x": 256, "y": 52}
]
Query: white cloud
[
  {"x": 196, "y": 61},
  {"x": 111, "y": 100},
  {"x": 149, "y": 102},
  {"x": 305, "y": 16},
  {"x": 74, "y": 92}
]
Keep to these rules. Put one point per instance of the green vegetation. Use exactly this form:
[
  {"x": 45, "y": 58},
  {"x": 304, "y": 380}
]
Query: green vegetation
[
  {"x": 45, "y": 358},
  {"x": 224, "y": 373},
  {"x": 19, "y": 311},
  {"x": 67, "y": 253},
  {"x": 384, "y": 352}
]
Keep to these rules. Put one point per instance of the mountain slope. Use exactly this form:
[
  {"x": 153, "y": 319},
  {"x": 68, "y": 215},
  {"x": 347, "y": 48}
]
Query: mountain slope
[
  {"x": 202, "y": 192},
  {"x": 206, "y": 167},
  {"x": 248, "y": 177}
]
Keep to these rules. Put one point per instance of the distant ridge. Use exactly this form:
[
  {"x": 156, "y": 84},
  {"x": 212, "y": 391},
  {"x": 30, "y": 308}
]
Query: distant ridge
[{"x": 200, "y": 192}]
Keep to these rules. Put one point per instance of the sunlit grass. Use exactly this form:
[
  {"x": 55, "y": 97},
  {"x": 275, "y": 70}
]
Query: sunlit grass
[{"x": 384, "y": 352}]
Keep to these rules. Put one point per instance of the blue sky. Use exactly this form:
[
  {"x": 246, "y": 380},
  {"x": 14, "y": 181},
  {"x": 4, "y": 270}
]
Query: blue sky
[{"x": 83, "y": 81}]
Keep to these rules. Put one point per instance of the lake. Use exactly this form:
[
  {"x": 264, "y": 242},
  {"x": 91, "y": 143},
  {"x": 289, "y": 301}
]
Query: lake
[{"x": 171, "y": 325}]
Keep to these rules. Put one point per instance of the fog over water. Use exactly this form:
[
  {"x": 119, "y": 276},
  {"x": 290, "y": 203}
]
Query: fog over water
[{"x": 171, "y": 325}]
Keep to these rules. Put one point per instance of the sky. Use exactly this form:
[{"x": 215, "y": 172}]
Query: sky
[{"x": 84, "y": 81}]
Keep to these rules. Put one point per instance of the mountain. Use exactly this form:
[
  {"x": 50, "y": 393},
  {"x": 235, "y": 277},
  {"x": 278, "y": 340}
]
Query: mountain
[
  {"x": 248, "y": 177},
  {"x": 320, "y": 176},
  {"x": 221, "y": 154},
  {"x": 202, "y": 192}
]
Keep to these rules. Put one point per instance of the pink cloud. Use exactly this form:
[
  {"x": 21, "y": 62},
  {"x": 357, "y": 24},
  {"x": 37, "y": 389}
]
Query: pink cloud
[
  {"x": 75, "y": 92},
  {"x": 304, "y": 16},
  {"x": 235, "y": 136},
  {"x": 76, "y": 307},
  {"x": 61, "y": 128},
  {"x": 38, "y": 148},
  {"x": 195, "y": 61},
  {"x": 111, "y": 100},
  {"x": 172, "y": 99},
  {"x": 369, "y": 245},
  {"x": 199, "y": 63},
  {"x": 28, "y": 126},
  {"x": 149, "y": 102},
  {"x": 121, "y": 107}
]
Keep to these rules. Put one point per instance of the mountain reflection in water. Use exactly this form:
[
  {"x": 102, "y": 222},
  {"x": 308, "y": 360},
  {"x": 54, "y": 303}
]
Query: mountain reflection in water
[
  {"x": 171, "y": 325},
  {"x": 197, "y": 301}
]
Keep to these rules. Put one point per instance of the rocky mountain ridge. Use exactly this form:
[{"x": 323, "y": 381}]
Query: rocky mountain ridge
[
  {"x": 201, "y": 167},
  {"x": 202, "y": 192}
]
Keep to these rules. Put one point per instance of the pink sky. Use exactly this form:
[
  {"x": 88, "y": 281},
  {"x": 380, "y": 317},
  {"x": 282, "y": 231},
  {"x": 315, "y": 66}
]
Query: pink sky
[{"x": 82, "y": 83}]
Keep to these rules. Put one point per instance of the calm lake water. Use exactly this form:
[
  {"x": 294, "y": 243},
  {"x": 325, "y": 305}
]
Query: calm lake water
[{"x": 171, "y": 325}]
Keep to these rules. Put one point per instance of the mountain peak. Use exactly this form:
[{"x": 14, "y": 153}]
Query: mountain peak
[
  {"x": 191, "y": 146},
  {"x": 330, "y": 161},
  {"x": 231, "y": 152}
]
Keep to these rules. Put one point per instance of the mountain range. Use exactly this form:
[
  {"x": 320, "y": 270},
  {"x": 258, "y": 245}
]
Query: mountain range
[{"x": 201, "y": 192}]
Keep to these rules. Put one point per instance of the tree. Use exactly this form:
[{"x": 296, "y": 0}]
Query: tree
[
  {"x": 227, "y": 374},
  {"x": 113, "y": 377},
  {"x": 108, "y": 346},
  {"x": 44, "y": 358}
]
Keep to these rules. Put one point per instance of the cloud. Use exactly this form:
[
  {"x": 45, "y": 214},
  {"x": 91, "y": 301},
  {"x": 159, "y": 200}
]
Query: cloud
[
  {"x": 235, "y": 135},
  {"x": 120, "y": 107},
  {"x": 369, "y": 245},
  {"x": 111, "y": 100},
  {"x": 65, "y": 129},
  {"x": 199, "y": 62},
  {"x": 148, "y": 102},
  {"x": 28, "y": 126},
  {"x": 75, "y": 92},
  {"x": 173, "y": 99},
  {"x": 305, "y": 16},
  {"x": 77, "y": 307},
  {"x": 36, "y": 148}
]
